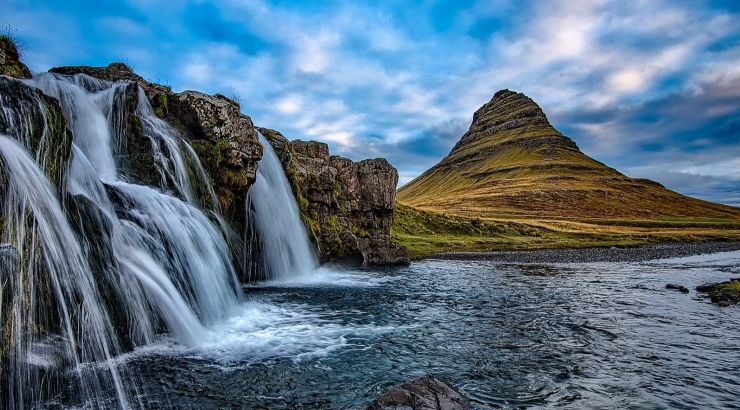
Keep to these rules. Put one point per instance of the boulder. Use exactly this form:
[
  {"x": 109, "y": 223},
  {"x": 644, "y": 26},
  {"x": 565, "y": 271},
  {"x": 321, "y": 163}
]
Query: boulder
[
  {"x": 347, "y": 206},
  {"x": 425, "y": 393}
]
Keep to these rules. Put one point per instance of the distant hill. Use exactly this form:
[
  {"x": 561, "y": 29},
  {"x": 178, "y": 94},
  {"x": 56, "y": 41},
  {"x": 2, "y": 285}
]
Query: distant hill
[{"x": 513, "y": 162}]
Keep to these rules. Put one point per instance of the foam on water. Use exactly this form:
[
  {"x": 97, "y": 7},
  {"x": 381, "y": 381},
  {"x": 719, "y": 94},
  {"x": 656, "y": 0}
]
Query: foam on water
[{"x": 326, "y": 276}]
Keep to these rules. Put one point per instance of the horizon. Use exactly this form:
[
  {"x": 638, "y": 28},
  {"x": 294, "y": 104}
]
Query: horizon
[{"x": 652, "y": 90}]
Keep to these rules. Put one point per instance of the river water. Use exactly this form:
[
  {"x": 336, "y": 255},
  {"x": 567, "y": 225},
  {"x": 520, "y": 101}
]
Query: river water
[{"x": 588, "y": 335}]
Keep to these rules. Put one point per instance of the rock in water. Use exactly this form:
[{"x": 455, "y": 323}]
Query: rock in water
[
  {"x": 682, "y": 289},
  {"x": 425, "y": 393},
  {"x": 723, "y": 294}
]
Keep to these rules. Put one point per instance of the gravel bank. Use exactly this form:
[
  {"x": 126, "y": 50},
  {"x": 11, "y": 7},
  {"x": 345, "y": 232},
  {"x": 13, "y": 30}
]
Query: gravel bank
[{"x": 643, "y": 253}]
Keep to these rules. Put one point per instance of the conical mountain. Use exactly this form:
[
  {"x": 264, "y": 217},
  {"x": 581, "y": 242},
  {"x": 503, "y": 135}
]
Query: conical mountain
[{"x": 513, "y": 162}]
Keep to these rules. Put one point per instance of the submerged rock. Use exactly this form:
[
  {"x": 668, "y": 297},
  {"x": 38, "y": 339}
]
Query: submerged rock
[
  {"x": 425, "y": 393},
  {"x": 682, "y": 289},
  {"x": 347, "y": 206}
]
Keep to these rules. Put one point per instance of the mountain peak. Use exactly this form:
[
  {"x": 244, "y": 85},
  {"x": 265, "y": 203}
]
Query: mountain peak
[
  {"x": 513, "y": 162},
  {"x": 507, "y": 110}
]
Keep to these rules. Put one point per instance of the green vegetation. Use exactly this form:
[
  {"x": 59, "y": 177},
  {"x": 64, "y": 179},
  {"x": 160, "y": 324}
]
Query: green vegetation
[
  {"x": 11, "y": 49},
  {"x": 731, "y": 286},
  {"x": 425, "y": 233},
  {"x": 513, "y": 162}
]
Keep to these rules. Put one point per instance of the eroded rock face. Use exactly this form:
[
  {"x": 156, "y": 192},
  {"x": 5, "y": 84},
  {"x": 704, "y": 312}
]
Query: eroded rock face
[
  {"x": 37, "y": 121},
  {"x": 226, "y": 143},
  {"x": 424, "y": 393},
  {"x": 348, "y": 206}
]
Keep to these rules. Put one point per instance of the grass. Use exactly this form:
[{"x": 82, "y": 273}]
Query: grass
[
  {"x": 530, "y": 170},
  {"x": 425, "y": 233},
  {"x": 12, "y": 48}
]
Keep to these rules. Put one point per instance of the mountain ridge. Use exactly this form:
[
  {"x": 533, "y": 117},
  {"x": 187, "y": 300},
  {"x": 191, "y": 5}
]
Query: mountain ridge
[{"x": 512, "y": 161}]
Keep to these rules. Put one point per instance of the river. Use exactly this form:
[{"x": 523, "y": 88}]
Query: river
[{"x": 509, "y": 335}]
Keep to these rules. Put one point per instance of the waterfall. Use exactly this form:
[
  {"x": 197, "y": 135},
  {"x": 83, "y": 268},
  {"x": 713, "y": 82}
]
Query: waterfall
[
  {"x": 285, "y": 249},
  {"x": 60, "y": 272},
  {"x": 123, "y": 262},
  {"x": 94, "y": 263}
]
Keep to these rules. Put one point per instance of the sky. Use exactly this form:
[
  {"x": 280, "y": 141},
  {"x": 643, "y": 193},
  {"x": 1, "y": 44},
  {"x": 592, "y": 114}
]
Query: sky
[{"x": 651, "y": 88}]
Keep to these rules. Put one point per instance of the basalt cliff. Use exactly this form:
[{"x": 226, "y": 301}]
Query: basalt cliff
[{"x": 513, "y": 162}]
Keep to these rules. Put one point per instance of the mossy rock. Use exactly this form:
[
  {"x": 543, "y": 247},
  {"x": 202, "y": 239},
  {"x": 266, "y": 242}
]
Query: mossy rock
[{"x": 10, "y": 63}]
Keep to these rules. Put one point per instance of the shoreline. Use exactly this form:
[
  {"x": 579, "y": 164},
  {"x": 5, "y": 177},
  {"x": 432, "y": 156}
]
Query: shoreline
[{"x": 596, "y": 254}]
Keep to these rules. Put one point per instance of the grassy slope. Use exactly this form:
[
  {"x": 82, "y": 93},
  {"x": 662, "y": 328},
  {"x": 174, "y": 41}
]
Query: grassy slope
[
  {"x": 534, "y": 170},
  {"x": 531, "y": 187},
  {"x": 425, "y": 233}
]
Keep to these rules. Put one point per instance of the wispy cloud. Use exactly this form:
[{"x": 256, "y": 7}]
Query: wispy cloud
[{"x": 651, "y": 87}]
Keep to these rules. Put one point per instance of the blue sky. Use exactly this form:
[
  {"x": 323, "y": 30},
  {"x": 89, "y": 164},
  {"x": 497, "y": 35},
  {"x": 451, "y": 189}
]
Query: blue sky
[{"x": 650, "y": 87}]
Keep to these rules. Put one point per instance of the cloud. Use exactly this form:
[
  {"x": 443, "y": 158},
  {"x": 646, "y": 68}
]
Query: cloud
[{"x": 648, "y": 86}]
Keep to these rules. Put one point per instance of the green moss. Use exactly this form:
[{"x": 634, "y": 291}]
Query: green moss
[
  {"x": 159, "y": 104},
  {"x": 732, "y": 286}
]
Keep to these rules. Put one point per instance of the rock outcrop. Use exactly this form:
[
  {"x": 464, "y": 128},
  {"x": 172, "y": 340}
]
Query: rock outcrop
[
  {"x": 723, "y": 294},
  {"x": 223, "y": 138},
  {"x": 226, "y": 143},
  {"x": 347, "y": 206},
  {"x": 424, "y": 393},
  {"x": 10, "y": 62},
  {"x": 512, "y": 161}
]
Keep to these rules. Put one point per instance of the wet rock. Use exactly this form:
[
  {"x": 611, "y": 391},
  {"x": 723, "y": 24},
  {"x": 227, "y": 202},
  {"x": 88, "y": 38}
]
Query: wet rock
[
  {"x": 223, "y": 138},
  {"x": 226, "y": 142},
  {"x": 8, "y": 262},
  {"x": 347, "y": 206},
  {"x": 682, "y": 289},
  {"x": 119, "y": 72},
  {"x": 425, "y": 393},
  {"x": 723, "y": 294},
  {"x": 37, "y": 121}
]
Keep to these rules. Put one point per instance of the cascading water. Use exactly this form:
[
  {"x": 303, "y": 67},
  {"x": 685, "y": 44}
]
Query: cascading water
[
  {"x": 147, "y": 262},
  {"x": 285, "y": 249},
  {"x": 110, "y": 265},
  {"x": 60, "y": 272}
]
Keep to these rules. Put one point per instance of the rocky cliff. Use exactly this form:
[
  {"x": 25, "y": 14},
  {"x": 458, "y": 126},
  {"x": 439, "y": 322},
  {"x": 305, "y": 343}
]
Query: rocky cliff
[
  {"x": 223, "y": 138},
  {"x": 348, "y": 206},
  {"x": 512, "y": 161}
]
